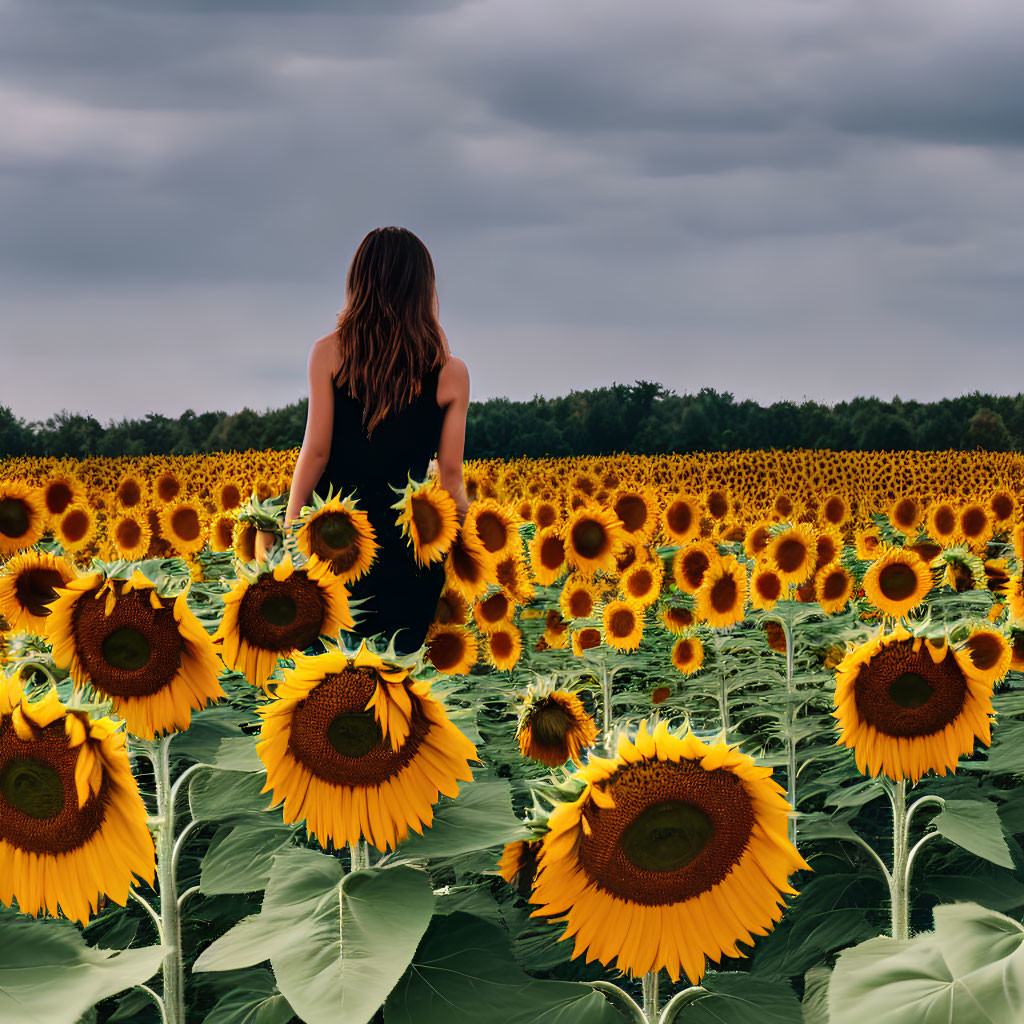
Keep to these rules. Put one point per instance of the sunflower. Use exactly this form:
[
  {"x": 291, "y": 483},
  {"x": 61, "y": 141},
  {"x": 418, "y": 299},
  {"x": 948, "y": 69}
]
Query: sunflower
[
  {"x": 766, "y": 586},
  {"x": 623, "y": 625},
  {"x": 494, "y": 611},
  {"x": 1017, "y": 650},
  {"x": 518, "y": 864},
  {"x": 897, "y": 581},
  {"x": 674, "y": 850},
  {"x": 547, "y": 555},
  {"x": 429, "y": 518},
  {"x": 337, "y": 537},
  {"x": 556, "y": 630},
  {"x": 451, "y": 649},
  {"x": 792, "y": 553},
  {"x": 990, "y": 654},
  {"x": 722, "y": 592},
  {"x": 27, "y": 589},
  {"x": 906, "y": 705},
  {"x": 495, "y": 526},
  {"x": 72, "y": 823},
  {"x": 511, "y": 574},
  {"x": 503, "y": 646},
  {"x": 906, "y": 514},
  {"x": 775, "y": 635},
  {"x": 828, "y": 546},
  {"x": 554, "y": 726},
  {"x": 228, "y": 494},
  {"x": 626, "y": 556},
  {"x": 691, "y": 562},
  {"x": 585, "y": 640},
  {"x": 469, "y": 567},
  {"x": 130, "y": 491},
  {"x": 359, "y": 749},
  {"x": 282, "y": 610},
  {"x": 833, "y": 587},
  {"x": 688, "y": 655},
  {"x": 546, "y": 513},
  {"x": 756, "y": 539},
  {"x": 183, "y": 525},
  {"x": 76, "y": 529},
  {"x": 452, "y": 609},
  {"x": 974, "y": 525},
  {"x": 834, "y": 511},
  {"x": 680, "y": 522},
  {"x": 718, "y": 502},
  {"x": 22, "y": 516},
  {"x": 1002, "y": 505},
  {"x": 149, "y": 655},
  {"x": 868, "y": 542},
  {"x": 130, "y": 535},
  {"x": 941, "y": 523},
  {"x": 676, "y": 618},
  {"x": 578, "y": 598},
  {"x": 593, "y": 535},
  {"x": 1013, "y": 591},
  {"x": 637, "y": 510},
  {"x": 641, "y": 582},
  {"x": 59, "y": 492}
]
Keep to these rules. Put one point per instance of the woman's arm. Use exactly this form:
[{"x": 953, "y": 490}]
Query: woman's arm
[
  {"x": 453, "y": 438},
  {"x": 316, "y": 443}
]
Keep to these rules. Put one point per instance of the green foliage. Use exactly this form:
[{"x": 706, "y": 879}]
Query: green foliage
[
  {"x": 971, "y": 968},
  {"x": 48, "y": 975}
]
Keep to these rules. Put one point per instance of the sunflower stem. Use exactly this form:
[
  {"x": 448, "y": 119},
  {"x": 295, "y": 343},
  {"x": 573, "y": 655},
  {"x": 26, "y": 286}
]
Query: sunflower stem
[
  {"x": 606, "y": 710},
  {"x": 678, "y": 1001},
  {"x": 649, "y": 984},
  {"x": 156, "y": 999},
  {"x": 159, "y": 752},
  {"x": 149, "y": 910},
  {"x": 723, "y": 693},
  {"x": 791, "y": 771},
  {"x": 898, "y": 888}
]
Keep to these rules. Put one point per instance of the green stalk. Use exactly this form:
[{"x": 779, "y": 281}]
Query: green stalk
[
  {"x": 787, "y": 632},
  {"x": 159, "y": 753},
  {"x": 723, "y": 696},
  {"x": 650, "y": 990},
  {"x": 899, "y": 889}
]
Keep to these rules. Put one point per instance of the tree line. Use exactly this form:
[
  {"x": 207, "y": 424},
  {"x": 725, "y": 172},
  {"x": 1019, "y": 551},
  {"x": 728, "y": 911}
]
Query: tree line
[{"x": 643, "y": 418}]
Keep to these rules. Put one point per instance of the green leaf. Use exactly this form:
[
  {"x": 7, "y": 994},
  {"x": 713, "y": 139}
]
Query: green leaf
[
  {"x": 337, "y": 944},
  {"x": 217, "y": 795},
  {"x": 479, "y": 818},
  {"x": 814, "y": 1005},
  {"x": 740, "y": 999},
  {"x": 201, "y": 741},
  {"x": 253, "y": 1000},
  {"x": 464, "y": 971},
  {"x": 240, "y": 856},
  {"x": 992, "y": 887},
  {"x": 974, "y": 826},
  {"x": 48, "y": 975},
  {"x": 971, "y": 968}
]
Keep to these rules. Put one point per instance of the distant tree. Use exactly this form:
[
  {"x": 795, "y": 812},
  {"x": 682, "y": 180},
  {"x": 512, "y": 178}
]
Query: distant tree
[{"x": 987, "y": 430}]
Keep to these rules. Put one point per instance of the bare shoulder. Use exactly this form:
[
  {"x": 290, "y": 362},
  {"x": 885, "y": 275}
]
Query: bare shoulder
[
  {"x": 453, "y": 382},
  {"x": 325, "y": 352}
]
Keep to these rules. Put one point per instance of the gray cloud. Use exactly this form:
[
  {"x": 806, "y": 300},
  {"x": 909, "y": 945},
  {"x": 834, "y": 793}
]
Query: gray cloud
[{"x": 662, "y": 190}]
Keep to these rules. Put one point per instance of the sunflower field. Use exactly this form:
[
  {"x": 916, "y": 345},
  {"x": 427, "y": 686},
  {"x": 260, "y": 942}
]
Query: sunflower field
[{"x": 723, "y": 738}]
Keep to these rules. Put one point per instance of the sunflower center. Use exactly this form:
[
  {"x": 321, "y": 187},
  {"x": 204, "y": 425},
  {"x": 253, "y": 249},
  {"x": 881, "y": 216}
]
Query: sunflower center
[
  {"x": 897, "y": 581},
  {"x": 834, "y": 510},
  {"x": 621, "y": 622},
  {"x": 492, "y": 531},
  {"x": 667, "y": 836},
  {"x": 973, "y": 521},
  {"x": 127, "y": 649},
  {"x": 588, "y": 538},
  {"x": 910, "y": 690},
  {"x": 552, "y": 552},
  {"x": 426, "y": 519},
  {"x": 723, "y": 594},
  {"x": 354, "y": 733},
  {"x": 279, "y": 609},
  {"x": 632, "y": 510},
  {"x": 14, "y": 517},
  {"x": 679, "y": 517},
  {"x": 338, "y": 531},
  {"x": 31, "y": 786},
  {"x": 945, "y": 520},
  {"x": 790, "y": 555},
  {"x": 549, "y": 724},
  {"x": 34, "y": 589}
]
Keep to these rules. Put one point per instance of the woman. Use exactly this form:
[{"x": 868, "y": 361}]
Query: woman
[{"x": 385, "y": 395}]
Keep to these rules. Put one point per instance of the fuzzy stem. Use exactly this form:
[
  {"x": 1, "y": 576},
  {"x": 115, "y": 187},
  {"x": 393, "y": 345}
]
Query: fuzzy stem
[
  {"x": 156, "y": 999},
  {"x": 898, "y": 889},
  {"x": 617, "y": 997},
  {"x": 685, "y": 998},
  {"x": 650, "y": 990},
  {"x": 159, "y": 752},
  {"x": 787, "y": 631},
  {"x": 606, "y": 715}
]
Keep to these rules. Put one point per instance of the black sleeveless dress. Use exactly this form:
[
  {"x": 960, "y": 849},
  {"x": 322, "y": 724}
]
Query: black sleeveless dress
[{"x": 401, "y": 595}]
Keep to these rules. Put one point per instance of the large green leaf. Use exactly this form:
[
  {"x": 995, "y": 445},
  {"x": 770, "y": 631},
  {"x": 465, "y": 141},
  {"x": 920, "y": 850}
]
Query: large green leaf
[
  {"x": 971, "y": 968},
  {"x": 48, "y": 975},
  {"x": 479, "y": 818},
  {"x": 741, "y": 999},
  {"x": 217, "y": 795},
  {"x": 253, "y": 999},
  {"x": 337, "y": 943},
  {"x": 974, "y": 825},
  {"x": 464, "y": 972},
  {"x": 240, "y": 856},
  {"x": 201, "y": 741}
]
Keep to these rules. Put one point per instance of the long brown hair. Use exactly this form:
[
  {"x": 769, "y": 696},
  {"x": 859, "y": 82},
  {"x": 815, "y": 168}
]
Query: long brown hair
[{"x": 388, "y": 331}]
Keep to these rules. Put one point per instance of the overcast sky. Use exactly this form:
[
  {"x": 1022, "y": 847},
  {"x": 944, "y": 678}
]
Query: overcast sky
[{"x": 777, "y": 198}]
